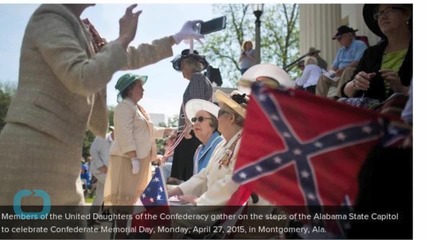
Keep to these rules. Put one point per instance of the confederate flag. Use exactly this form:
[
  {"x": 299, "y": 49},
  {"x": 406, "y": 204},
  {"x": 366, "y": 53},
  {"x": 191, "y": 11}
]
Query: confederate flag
[{"x": 301, "y": 150}]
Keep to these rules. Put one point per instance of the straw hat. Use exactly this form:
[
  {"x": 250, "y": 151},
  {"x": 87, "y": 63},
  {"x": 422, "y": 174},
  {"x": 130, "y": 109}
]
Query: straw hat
[{"x": 222, "y": 97}]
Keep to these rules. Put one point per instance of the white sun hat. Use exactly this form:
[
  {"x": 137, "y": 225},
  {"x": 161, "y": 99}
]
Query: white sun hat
[
  {"x": 275, "y": 75},
  {"x": 195, "y": 105}
]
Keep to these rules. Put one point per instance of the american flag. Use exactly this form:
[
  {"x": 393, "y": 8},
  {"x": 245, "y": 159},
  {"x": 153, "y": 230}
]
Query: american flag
[
  {"x": 155, "y": 193},
  {"x": 301, "y": 150},
  {"x": 155, "y": 201}
]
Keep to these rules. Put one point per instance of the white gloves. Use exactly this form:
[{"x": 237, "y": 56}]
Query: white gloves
[
  {"x": 135, "y": 166},
  {"x": 188, "y": 32}
]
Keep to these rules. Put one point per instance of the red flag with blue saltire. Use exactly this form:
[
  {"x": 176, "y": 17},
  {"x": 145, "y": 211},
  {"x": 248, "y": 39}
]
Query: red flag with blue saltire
[{"x": 301, "y": 150}]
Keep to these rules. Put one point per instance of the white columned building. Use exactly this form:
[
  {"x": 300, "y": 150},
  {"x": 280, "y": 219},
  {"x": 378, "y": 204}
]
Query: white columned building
[{"x": 318, "y": 23}]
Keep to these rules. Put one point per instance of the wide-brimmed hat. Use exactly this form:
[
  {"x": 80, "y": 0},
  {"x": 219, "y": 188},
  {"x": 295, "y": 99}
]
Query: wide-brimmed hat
[
  {"x": 278, "y": 76},
  {"x": 313, "y": 50},
  {"x": 195, "y": 105},
  {"x": 176, "y": 62},
  {"x": 368, "y": 16},
  {"x": 222, "y": 97},
  {"x": 127, "y": 79},
  {"x": 344, "y": 29}
]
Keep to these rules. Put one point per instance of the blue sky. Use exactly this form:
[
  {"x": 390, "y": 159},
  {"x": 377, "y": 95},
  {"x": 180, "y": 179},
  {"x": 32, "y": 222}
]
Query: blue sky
[{"x": 165, "y": 86}]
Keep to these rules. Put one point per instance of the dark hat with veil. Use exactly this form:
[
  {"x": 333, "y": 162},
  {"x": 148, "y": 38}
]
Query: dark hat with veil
[{"x": 176, "y": 62}]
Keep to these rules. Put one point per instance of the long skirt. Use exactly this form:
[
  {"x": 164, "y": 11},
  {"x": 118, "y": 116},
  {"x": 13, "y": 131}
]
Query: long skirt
[{"x": 122, "y": 188}]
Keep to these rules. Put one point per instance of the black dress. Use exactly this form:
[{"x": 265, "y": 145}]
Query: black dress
[
  {"x": 182, "y": 167},
  {"x": 183, "y": 164}
]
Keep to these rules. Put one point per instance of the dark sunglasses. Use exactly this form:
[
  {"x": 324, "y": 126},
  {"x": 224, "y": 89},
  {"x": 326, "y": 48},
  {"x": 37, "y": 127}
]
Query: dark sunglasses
[{"x": 200, "y": 119}]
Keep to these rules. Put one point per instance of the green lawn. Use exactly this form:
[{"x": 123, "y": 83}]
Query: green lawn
[{"x": 89, "y": 199}]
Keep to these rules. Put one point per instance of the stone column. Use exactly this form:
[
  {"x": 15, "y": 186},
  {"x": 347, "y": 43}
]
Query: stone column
[{"x": 318, "y": 23}]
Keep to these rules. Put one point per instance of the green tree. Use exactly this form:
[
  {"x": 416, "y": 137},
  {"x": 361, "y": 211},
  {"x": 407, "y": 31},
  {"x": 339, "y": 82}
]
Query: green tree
[
  {"x": 111, "y": 116},
  {"x": 279, "y": 37},
  {"x": 7, "y": 91},
  {"x": 172, "y": 122},
  {"x": 90, "y": 137},
  {"x": 87, "y": 142}
]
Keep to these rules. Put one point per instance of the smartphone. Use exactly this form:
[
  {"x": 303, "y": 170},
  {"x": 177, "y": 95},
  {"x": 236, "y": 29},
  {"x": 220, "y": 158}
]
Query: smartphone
[{"x": 213, "y": 25}]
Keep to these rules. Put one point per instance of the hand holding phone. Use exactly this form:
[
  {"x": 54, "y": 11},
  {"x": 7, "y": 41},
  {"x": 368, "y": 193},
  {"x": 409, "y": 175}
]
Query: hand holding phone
[
  {"x": 188, "y": 32},
  {"x": 211, "y": 26}
]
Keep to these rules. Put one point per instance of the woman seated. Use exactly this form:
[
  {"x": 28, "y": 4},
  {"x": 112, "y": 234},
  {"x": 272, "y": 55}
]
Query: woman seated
[
  {"x": 211, "y": 189},
  {"x": 203, "y": 114},
  {"x": 385, "y": 68},
  {"x": 310, "y": 75},
  {"x": 213, "y": 185}
]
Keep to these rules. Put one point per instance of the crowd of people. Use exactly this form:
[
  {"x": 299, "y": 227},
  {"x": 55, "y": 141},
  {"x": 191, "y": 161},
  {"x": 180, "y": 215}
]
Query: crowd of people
[{"x": 71, "y": 74}]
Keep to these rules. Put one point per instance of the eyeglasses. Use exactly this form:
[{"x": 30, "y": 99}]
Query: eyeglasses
[
  {"x": 386, "y": 11},
  {"x": 222, "y": 112},
  {"x": 200, "y": 119}
]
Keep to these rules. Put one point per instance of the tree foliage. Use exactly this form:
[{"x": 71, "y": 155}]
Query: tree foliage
[
  {"x": 279, "y": 37},
  {"x": 172, "y": 122},
  {"x": 90, "y": 137},
  {"x": 87, "y": 142},
  {"x": 7, "y": 91}
]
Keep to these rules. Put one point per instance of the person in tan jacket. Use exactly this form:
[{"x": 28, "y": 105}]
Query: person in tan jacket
[
  {"x": 61, "y": 91},
  {"x": 133, "y": 149}
]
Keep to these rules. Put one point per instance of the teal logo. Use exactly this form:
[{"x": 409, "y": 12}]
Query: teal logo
[{"x": 17, "y": 208}]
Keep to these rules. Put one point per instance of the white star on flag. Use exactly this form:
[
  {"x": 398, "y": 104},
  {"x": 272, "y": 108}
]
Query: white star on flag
[
  {"x": 305, "y": 174},
  {"x": 242, "y": 175},
  {"x": 297, "y": 151},
  {"x": 367, "y": 129},
  {"x": 341, "y": 136}
]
